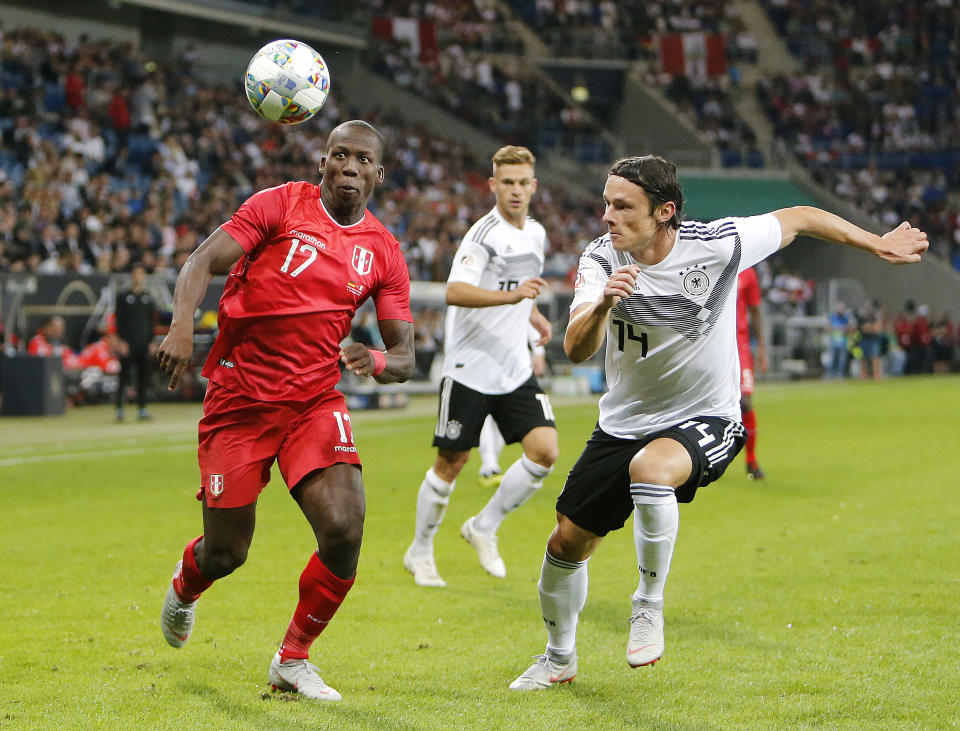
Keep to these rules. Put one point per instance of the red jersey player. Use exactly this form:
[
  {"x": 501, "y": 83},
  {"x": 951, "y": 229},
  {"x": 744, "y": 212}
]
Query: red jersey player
[
  {"x": 301, "y": 259},
  {"x": 749, "y": 321}
]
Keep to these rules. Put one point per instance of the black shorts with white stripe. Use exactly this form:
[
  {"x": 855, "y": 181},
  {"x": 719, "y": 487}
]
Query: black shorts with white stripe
[
  {"x": 462, "y": 412},
  {"x": 596, "y": 495}
]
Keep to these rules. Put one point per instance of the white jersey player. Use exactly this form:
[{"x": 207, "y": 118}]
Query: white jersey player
[
  {"x": 491, "y": 290},
  {"x": 663, "y": 294}
]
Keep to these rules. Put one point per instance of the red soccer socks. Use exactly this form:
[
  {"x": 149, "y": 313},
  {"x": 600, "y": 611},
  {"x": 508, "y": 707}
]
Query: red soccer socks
[
  {"x": 321, "y": 594},
  {"x": 189, "y": 583}
]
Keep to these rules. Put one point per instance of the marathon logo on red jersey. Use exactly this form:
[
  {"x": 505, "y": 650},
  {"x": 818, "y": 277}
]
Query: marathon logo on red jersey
[
  {"x": 362, "y": 260},
  {"x": 308, "y": 238},
  {"x": 216, "y": 486}
]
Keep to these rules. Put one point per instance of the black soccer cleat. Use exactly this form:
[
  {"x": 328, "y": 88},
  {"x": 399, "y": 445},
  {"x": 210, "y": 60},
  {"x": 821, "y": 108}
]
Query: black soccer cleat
[{"x": 754, "y": 472}]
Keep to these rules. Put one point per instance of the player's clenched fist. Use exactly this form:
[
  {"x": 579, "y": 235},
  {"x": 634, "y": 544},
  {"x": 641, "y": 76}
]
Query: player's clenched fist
[
  {"x": 357, "y": 359},
  {"x": 904, "y": 244},
  {"x": 620, "y": 284}
]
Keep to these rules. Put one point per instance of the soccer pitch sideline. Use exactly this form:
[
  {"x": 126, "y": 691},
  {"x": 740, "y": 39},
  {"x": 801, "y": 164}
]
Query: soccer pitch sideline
[{"x": 825, "y": 596}]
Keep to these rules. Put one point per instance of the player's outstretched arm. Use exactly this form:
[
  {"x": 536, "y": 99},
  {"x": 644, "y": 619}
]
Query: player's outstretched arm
[
  {"x": 463, "y": 294},
  {"x": 216, "y": 255},
  {"x": 393, "y": 366},
  {"x": 902, "y": 245},
  {"x": 588, "y": 323}
]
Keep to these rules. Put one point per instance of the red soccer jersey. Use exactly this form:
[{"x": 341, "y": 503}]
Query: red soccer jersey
[
  {"x": 289, "y": 302},
  {"x": 39, "y": 345},
  {"x": 748, "y": 295}
]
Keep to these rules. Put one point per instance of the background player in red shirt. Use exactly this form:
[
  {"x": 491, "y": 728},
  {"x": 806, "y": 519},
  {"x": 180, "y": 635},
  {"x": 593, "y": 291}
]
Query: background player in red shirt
[
  {"x": 48, "y": 341},
  {"x": 301, "y": 259},
  {"x": 749, "y": 323}
]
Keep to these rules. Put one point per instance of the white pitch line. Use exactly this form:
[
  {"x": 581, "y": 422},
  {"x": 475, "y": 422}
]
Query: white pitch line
[
  {"x": 93, "y": 454},
  {"x": 369, "y": 430}
]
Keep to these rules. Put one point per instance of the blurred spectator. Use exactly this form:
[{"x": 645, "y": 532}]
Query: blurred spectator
[
  {"x": 791, "y": 294},
  {"x": 839, "y": 329},
  {"x": 920, "y": 352},
  {"x": 49, "y": 341},
  {"x": 428, "y": 340},
  {"x": 870, "y": 329},
  {"x": 943, "y": 342},
  {"x": 361, "y": 331}
]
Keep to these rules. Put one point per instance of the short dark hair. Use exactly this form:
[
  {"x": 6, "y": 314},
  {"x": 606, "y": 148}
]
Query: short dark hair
[
  {"x": 658, "y": 178},
  {"x": 366, "y": 127}
]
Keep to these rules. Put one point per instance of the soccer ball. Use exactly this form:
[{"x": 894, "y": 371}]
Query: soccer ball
[{"x": 287, "y": 82}]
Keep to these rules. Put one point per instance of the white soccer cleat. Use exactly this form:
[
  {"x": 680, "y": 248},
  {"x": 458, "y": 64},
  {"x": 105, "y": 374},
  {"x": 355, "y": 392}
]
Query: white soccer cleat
[
  {"x": 423, "y": 568},
  {"x": 645, "y": 645},
  {"x": 545, "y": 673},
  {"x": 486, "y": 548},
  {"x": 300, "y": 677},
  {"x": 176, "y": 617}
]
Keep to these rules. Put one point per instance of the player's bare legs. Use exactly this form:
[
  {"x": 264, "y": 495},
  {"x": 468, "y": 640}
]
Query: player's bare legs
[
  {"x": 563, "y": 592},
  {"x": 749, "y": 418},
  {"x": 227, "y": 534},
  {"x": 655, "y": 473},
  {"x": 222, "y": 548},
  {"x": 521, "y": 480},
  {"x": 333, "y": 501}
]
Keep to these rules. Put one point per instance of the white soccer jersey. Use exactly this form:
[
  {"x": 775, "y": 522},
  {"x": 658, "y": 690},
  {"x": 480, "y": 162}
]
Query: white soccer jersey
[
  {"x": 485, "y": 348},
  {"x": 671, "y": 346}
]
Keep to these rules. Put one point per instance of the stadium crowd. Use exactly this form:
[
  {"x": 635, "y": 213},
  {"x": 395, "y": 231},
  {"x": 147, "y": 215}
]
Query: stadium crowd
[
  {"x": 108, "y": 158},
  {"x": 146, "y": 159},
  {"x": 473, "y": 73},
  {"x": 873, "y": 113}
]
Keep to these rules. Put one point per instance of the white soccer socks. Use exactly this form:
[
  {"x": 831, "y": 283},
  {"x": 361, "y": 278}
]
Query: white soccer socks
[
  {"x": 432, "y": 503},
  {"x": 563, "y": 592},
  {"x": 523, "y": 478},
  {"x": 655, "y": 524},
  {"x": 491, "y": 444}
]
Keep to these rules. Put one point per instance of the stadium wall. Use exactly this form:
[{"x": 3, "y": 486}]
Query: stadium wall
[{"x": 646, "y": 123}]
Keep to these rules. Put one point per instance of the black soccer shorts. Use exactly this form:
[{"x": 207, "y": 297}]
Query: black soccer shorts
[
  {"x": 462, "y": 412},
  {"x": 596, "y": 495}
]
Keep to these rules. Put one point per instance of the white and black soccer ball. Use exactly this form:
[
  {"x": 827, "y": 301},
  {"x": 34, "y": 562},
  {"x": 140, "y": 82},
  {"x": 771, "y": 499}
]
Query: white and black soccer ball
[{"x": 287, "y": 82}]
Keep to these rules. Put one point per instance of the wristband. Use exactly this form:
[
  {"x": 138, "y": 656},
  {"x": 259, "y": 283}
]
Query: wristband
[{"x": 379, "y": 361}]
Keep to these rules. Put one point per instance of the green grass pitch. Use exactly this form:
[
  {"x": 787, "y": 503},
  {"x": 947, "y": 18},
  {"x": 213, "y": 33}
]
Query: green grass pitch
[{"x": 827, "y": 596}]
